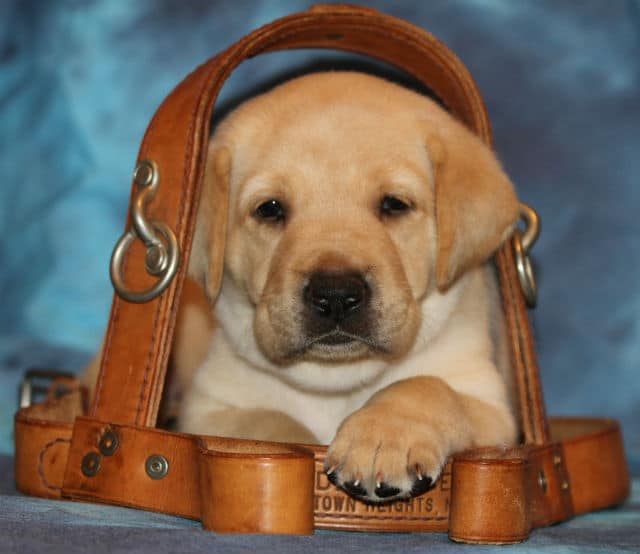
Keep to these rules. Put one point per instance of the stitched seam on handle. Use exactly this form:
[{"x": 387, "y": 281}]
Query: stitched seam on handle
[
  {"x": 515, "y": 344},
  {"x": 142, "y": 154},
  {"x": 181, "y": 203},
  {"x": 445, "y": 59},
  {"x": 43, "y": 477},
  {"x": 533, "y": 376},
  {"x": 329, "y": 515},
  {"x": 152, "y": 343},
  {"x": 518, "y": 325},
  {"x": 106, "y": 349}
]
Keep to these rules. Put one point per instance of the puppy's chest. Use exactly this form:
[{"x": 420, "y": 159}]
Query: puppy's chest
[{"x": 247, "y": 388}]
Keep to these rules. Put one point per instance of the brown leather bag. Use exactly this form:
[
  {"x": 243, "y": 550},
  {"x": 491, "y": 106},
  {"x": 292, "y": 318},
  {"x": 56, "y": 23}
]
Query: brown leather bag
[{"x": 114, "y": 454}]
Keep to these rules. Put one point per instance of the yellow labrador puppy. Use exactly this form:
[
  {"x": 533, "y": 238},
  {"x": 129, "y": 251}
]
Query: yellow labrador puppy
[{"x": 357, "y": 308}]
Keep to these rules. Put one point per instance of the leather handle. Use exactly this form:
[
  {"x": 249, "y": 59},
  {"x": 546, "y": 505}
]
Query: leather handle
[{"x": 139, "y": 336}]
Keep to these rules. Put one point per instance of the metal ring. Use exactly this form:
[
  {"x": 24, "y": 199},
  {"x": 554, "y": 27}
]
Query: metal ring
[
  {"x": 531, "y": 227},
  {"x": 173, "y": 251},
  {"x": 525, "y": 271}
]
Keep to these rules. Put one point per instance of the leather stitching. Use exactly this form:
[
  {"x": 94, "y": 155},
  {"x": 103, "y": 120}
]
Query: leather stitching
[
  {"x": 43, "y": 478},
  {"x": 181, "y": 203},
  {"x": 115, "y": 310},
  {"x": 329, "y": 515},
  {"x": 417, "y": 41}
]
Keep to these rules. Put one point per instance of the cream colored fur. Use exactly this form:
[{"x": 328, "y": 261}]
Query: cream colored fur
[
  {"x": 431, "y": 375},
  {"x": 431, "y": 379}
]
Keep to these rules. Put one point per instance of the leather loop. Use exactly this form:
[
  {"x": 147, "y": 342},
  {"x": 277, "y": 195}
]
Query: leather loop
[
  {"x": 253, "y": 487},
  {"x": 486, "y": 494}
]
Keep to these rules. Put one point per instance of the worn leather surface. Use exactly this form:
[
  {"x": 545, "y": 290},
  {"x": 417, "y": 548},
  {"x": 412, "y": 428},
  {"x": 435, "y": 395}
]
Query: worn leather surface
[
  {"x": 486, "y": 495},
  {"x": 240, "y": 486}
]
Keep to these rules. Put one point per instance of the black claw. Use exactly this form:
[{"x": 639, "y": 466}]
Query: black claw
[
  {"x": 385, "y": 491},
  {"x": 420, "y": 486},
  {"x": 354, "y": 489},
  {"x": 333, "y": 477}
]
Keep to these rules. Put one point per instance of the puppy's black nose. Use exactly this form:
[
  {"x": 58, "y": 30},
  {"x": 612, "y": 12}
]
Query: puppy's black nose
[{"x": 336, "y": 296}]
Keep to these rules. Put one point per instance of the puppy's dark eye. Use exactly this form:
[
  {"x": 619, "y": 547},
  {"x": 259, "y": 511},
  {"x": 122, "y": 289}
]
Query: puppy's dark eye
[
  {"x": 271, "y": 211},
  {"x": 392, "y": 206}
]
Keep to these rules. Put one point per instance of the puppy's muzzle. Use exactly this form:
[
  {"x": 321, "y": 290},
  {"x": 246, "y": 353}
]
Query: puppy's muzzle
[{"x": 337, "y": 302}]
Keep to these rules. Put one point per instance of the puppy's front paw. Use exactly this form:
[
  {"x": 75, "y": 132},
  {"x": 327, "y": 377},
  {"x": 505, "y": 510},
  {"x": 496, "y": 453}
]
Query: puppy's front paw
[{"x": 380, "y": 457}]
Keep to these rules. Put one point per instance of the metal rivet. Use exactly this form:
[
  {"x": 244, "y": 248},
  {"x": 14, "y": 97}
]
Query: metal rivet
[
  {"x": 565, "y": 485},
  {"x": 109, "y": 443},
  {"x": 145, "y": 173},
  {"x": 156, "y": 466},
  {"x": 557, "y": 460},
  {"x": 90, "y": 464},
  {"x": 542, "y": 481}
]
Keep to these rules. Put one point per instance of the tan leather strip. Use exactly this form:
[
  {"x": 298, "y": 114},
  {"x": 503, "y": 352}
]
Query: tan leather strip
[
  {"x": 251, "y": 487},
  {"x": 122, "y": 478},
  {"x": 500, "y": 496},
  {"x": 42, "y": 450},
  {"x": 597, "y": 471},
  {"x": 489, "y": 501},
  {"x": 523, "y": 356},
  {"x": 398, "y": 43},
  {"x": 42, "y": 435},
  {"x": 549, "y": 496},
  {"x": 488, "y": 495}
]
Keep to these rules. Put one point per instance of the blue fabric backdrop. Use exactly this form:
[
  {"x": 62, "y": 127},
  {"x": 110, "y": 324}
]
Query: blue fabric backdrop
[{"x": 79, "y": 81}]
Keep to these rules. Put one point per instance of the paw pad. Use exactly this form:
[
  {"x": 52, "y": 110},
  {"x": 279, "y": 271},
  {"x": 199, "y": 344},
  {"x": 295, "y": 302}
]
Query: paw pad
[
  {"x": 421, "y": 485},
  {"x": 354, "y": 488},
  {"x": 383, "y": 490}
]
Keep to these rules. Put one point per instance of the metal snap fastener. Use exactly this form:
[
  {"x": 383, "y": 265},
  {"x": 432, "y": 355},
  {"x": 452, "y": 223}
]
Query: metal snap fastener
[
  {"x": 565, "y": 486},
  {"x": 156, "y": 466},
  {"x": 557, "y": 460},
  {"x": 109, "y": 443},
  {"x": 90, "y": 464}
]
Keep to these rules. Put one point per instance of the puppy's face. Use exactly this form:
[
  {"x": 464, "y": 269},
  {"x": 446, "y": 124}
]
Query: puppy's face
[
  {"x": 333, "y": 230},
  {"x": 332, "y": 236}
]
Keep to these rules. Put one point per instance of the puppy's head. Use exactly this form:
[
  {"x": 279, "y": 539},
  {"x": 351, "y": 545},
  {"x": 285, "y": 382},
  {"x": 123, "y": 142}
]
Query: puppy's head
[{"x": 351, "y": 200}]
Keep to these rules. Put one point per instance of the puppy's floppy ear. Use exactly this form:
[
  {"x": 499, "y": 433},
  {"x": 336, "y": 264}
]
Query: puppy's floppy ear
[
  {"x": 476, "y": 206},
  {"x": 207, "y": 252}
]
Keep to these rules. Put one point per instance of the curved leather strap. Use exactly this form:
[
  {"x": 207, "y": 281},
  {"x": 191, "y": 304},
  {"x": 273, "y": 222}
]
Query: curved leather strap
[
  {"x": 487, "y": 495},
  {"x": 138, "y": 339}
]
